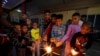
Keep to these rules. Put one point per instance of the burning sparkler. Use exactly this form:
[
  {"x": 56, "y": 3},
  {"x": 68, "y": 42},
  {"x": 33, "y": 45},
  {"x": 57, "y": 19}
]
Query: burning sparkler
[
  {"x": 74, "y": 52},
  {"x": 48, "y": 49}
]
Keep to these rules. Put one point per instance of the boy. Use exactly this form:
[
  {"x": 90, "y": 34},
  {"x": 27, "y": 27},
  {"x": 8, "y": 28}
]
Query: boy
[
  {"x": 14, "y": 37},
  {"x": 15, "y": 34},
  {"x": 47, "y": 33},
  {"x": 81, "y": 41},
  {"x": 45, "y": 21},
  {"x": 73, "y": 28},
  {"x": 23, "y": 40},
  {"x": 58, "y": 31}
]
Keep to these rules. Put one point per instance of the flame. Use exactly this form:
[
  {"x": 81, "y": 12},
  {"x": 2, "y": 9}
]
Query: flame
[
  {"x": 48, "y": 49},
  {"x": 74, "y": 52}
]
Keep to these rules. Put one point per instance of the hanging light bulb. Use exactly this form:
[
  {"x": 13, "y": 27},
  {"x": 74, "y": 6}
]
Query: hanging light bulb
[{"x": 18, "y": 10}]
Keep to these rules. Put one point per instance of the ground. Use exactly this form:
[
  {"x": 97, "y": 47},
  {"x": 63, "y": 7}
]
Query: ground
[{"x": 95, "y": 49}]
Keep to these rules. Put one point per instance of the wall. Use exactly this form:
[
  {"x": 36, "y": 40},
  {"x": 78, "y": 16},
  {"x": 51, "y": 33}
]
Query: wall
[
  {"x": 67, "y": 14},
  {"x": 93, "y": 10}
]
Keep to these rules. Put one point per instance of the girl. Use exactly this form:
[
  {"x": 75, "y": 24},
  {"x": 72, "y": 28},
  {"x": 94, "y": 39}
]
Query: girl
[{"x": 35, "y": 34}]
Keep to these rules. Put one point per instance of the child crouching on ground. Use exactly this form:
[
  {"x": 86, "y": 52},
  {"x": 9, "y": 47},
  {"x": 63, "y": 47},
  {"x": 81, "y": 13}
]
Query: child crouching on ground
[{"x": 82, "y": 40}]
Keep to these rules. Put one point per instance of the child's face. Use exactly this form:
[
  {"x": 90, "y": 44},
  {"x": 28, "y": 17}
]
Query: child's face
[
  {"x": 17, "y": 29},
  {"x": 34, "y": 25},
  {"x": 24, "y": 29},
  {"x": 85, "y": 29},
  {"x": 47, "y": 16},
  {"x": 53, "y": 19},
  {"x": 75, "y": 19},
  {"x": 58, "y": 22},
  {"x": 24, "y": 16}
]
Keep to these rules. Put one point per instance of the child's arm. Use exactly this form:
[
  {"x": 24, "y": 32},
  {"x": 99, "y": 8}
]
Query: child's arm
[
  {"x": 68, "y": 34},
  {"x": 73, "y": 41},
  {"x": 48, "y": 29},
  {"x": 53, "y": 31}
]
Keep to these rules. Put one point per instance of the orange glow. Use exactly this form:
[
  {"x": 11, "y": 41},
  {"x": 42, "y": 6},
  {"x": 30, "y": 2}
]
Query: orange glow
[
  {"x": 74, "y": 52},
  {"x": 48, "y": 49}
]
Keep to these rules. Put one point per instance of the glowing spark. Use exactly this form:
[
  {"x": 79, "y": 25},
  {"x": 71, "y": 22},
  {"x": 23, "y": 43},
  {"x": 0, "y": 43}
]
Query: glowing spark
[
  {"x": 74, "y": 52},
  {"x": 48, "y": 49}
]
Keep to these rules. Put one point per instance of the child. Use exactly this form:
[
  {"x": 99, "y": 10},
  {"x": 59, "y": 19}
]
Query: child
[
  {"x": 14, "y": 36},
  {"x": 73, "y": 28},
  {"x": 81, "y": 41},
  {"x": 58, "y": 31},
  {"x": 35, "y": 34},
  {"x": 47, "y": 32},
  {"x": 23, "y": 40}
]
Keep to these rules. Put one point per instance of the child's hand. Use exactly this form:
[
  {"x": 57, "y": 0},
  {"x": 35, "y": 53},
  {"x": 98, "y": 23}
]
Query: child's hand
[
  {"x": 23, "y": 41},
  {"x": 52, "y": 39},
  {"x": 45, "y": 38},
  {"x": 82, "y": 50},
  {"x": 58, "y": 44},
  {"x": 31, "y": 48}
]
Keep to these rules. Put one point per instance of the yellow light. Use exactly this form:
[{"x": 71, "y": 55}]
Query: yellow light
[
  {"x": 48, "y": 49},
  {"x": 74, "y": 52}
]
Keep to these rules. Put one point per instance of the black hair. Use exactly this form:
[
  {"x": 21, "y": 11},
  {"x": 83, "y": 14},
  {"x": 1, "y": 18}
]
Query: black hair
[
  {"x": 47, "y": 11},
  {"x": 15, "y": 23},
  {"x": 34, "y": 22},
  {"x": 76, "y": 14},
  {"x": 86, "y": 24},
  {"x": 53, "y": 15},
  {"x": 59, "y": 16},
  {"x": 83, "y": 15},
  {"x": 23, "y": 25}
]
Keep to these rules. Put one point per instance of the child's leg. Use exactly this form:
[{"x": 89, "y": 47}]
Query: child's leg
[
  {"x": 14, "y": 52},
  {"x": 20, "y": 53},
  {"x": 24, "y": 52},
  {"x": 67, "y": 49},
  {"x": 38, "y": 47},
  {"x": 33, "y": 51}
]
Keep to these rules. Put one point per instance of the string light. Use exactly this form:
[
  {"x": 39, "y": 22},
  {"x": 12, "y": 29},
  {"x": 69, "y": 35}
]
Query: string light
[{"x": 4, "y": 2}]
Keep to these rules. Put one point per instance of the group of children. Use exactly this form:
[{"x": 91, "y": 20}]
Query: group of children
[
  {"x": 75, "y": 36},
  {"x": 23, "y": 38}
]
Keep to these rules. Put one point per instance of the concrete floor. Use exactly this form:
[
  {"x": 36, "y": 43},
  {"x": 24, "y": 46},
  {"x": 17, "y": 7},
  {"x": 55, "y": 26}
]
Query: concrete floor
[{"x": 95, "y": 49}]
